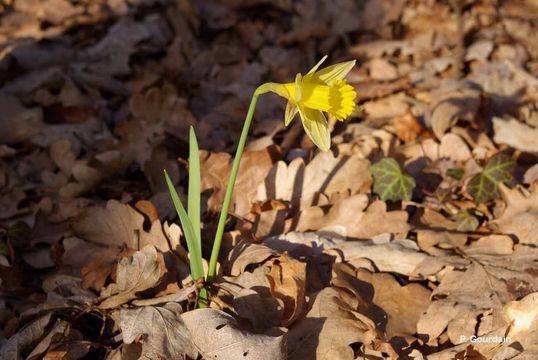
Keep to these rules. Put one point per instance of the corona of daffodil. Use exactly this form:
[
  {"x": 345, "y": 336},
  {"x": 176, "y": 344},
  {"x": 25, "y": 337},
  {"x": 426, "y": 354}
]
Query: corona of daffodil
[{"x": 313, "y": 94}]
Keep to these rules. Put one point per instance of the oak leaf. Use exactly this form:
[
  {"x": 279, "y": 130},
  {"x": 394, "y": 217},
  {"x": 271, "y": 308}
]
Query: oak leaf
[
  {"x": 222, "y": 337},
  {"x": 164, "y": 334},
  {"x": 139, "y": 272}
]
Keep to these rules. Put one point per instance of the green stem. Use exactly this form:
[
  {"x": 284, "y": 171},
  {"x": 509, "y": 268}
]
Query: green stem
[
  {"x": 203, "y": 298},
  {"x": 229, "y": 191}
]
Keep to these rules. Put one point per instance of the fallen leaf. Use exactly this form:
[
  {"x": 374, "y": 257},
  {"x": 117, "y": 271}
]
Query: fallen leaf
[
  {"x": 502, "y": 274},
  {"x": 531, "y": 175},
  {"x": 328, "y": 329},
  {"x": 453, "y": 104},
  {"x": 245, "y": 254},
  {"x": 515, "y": 133},
  {"x": 57, "y": 11},
  {"x": 523, "y": 330},
  {"x": 118, "y": 225},
  {"x": 287, "y": 280},
  {"x": 18, "y": 123},
  {"x": 9, "y": 204},
  {"x": 60, "y": 328},
  {"x": 428, "y": 238},
  {"x": 137, "y": 273},
  {"x": 326, "y": 174},
  {"x": 398, "y": 256},
  {"x": 215, "y": 171},
  {"x": 407, "y": 126},
  {"x": 359, "y": 219},
  {"x": 479, "y": 50},
  {"x": 162, "y": 330},
  {"x": 402, "y": 305},
  {"x": 520, "y": 214},
  {"x": 221, "y": 337},
  {"x": 381, "y": 69},
  {"x": 23, "y": 341},
  {"x": 461, "y": 304},
  {"x": 454, "y": 148},
  {"x": 109, "y": 234}
]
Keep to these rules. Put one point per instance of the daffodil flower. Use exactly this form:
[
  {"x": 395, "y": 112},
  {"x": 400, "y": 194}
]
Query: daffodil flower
[
  {"x": 313, "y": 94},
  {"x": 318, "y": 92}
]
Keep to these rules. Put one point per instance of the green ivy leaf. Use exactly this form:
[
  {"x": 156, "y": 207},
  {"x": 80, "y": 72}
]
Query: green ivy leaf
[
  {"x": 455, "y": 173},
  {"x": 390, "y": 183},
  {"x": 466, "y": 221},
  {"x": 485, "y": 185}
]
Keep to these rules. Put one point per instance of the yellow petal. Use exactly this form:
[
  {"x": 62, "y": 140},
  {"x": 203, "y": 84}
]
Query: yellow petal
[
  {"x": 337, "y": 99},
  {"x": 313, "y": 70},
  {"x": 294, "y": 89},
  {"x": 334, "y": 72},
  {"x": 316, "y": 127},
  {"x": 291, "y": 111},
  {"x": 298, "y": 94},
  {"x": 279, "y": 89}
]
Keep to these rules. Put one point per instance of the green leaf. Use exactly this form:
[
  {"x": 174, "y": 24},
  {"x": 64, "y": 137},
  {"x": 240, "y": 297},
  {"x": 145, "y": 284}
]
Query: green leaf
[
  {"x": 455, "y": 173},
  {"x": 195, "y": 257},
  {"x": 485, "y": 185},
  {"x": 466, "y": 221},
  {"x": 389, "y": 181},
  {"x": 193, "y": 197}
]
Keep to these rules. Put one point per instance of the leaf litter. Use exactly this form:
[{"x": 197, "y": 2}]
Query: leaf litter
[{"x": 413, "y": 237}]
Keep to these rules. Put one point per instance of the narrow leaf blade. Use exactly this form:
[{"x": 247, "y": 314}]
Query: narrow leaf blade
[
  {"x": 190, "y": 237},
  {"x": 193, "y": 202}
]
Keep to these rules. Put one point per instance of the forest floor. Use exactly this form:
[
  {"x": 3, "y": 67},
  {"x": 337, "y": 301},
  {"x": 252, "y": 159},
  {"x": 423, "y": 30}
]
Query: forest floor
[{"x": 415, "y": 236}]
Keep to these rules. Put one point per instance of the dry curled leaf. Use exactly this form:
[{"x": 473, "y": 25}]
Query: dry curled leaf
[
  {"x": 455, "y": 104},
  {"x": 329, "y": 327},
  {"x": 118, "y": 225},
  {"x": 137, "y": 273},
  {"x": 161, "y": 330},
  {"x": 215, "y": 171},
  {"x": 287, "y": 280}
]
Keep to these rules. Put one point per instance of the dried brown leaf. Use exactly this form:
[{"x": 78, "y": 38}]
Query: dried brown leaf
[
  {"x": 302, "y": 184},
  {"x": 245, "y": 254},
  {"x": 520, "y": 215},
  {"x": 330, "y": 326},
  {"x": 288, "y": 283},
  {"x": 215, "y": 170},
  {"x": 515, "y": 133},
  {"x": 401, "y": 306},
  {"x": 451, "y": 106},
  {"x": 139, "y": 272},
  {"x": 25, "y": 340},
  {"x": 358, "y": 220},
  {"x": 223, "y": 338},
  {"x": 163, "y": 333}
]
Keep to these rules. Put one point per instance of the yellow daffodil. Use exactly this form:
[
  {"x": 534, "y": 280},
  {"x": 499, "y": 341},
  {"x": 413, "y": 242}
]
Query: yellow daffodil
[{"x": 320, "y": 91}]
